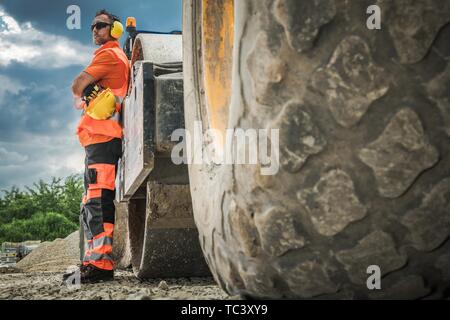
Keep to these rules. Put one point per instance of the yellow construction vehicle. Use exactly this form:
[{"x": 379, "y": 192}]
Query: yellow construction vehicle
[{"x": 362, "y": 119}]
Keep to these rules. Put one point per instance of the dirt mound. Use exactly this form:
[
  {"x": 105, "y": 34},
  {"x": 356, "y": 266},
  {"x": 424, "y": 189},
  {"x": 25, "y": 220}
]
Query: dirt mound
[{"x": 55, "y": 256}]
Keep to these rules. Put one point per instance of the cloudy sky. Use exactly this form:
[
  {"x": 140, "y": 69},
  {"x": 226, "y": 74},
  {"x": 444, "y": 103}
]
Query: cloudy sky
[{"x": 39, "y": 58}]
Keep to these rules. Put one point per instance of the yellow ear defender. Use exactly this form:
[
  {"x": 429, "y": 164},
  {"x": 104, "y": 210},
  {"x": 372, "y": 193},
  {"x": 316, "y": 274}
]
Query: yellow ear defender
[{"x": 116, "y": 30}]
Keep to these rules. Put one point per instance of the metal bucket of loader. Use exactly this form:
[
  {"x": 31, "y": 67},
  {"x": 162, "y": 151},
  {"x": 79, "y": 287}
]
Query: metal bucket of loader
[{"x": 163, "y": 238}]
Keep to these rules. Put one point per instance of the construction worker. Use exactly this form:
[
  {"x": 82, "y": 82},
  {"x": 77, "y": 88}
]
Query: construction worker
[{"x": 102, "y": 86}]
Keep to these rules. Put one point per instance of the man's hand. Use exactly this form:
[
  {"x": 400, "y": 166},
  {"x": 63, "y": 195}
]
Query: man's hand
[
  {"x": 91, "y": 92},
  {"x": 81, "y": 82}
]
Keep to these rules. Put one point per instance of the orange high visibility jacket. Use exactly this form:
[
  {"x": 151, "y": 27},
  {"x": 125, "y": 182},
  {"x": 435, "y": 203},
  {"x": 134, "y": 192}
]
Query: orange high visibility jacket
[{"x": 110, "y": 68}]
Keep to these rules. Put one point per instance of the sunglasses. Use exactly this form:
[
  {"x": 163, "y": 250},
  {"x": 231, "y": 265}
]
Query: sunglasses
[{"x": 99, "y": 25}]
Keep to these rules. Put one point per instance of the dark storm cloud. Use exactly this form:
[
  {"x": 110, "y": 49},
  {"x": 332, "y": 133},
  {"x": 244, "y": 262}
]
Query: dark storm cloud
[
  {"x": 35, "y": 108},
  {"x": 29, "y": 75}
]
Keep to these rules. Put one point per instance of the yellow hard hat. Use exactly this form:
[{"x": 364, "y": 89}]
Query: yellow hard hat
[{"x": 103, "y": 106}]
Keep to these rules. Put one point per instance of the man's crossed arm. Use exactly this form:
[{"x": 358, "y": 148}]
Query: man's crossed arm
[{"x": 81, "y": 82}]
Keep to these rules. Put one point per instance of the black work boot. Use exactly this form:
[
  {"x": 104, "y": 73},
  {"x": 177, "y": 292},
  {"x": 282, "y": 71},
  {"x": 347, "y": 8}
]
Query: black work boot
[
  {"x": 80, "y": 269},
  {"x": 92, "y": 274}
]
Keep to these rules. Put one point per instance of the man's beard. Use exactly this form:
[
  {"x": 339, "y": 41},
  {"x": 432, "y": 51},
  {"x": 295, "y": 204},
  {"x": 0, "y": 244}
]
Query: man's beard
[{"x": 100, "y": 42}]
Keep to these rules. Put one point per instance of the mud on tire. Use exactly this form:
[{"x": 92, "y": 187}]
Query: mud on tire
[{"x": 364, "y": 179}]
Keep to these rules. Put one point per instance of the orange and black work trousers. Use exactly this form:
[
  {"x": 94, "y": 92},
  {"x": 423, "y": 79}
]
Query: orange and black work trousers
[{"x": 97, "y": 208}]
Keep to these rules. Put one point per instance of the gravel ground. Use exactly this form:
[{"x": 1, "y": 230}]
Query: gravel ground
[
  {"x": 39, "y": 276},
  {"x": 49, "y": 286}
]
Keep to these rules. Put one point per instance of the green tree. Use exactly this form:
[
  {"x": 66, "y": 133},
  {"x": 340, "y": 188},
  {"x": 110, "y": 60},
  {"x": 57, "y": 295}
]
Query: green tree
[
  {"x": 16, "y": 204},
  {"x": 73, "y": 191},
  {"x": 42, "y": 226},
  {"x": 42, "y": 212}
]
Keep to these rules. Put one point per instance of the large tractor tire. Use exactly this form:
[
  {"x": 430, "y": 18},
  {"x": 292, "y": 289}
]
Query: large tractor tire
[{"x": 363, "y": 187}]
